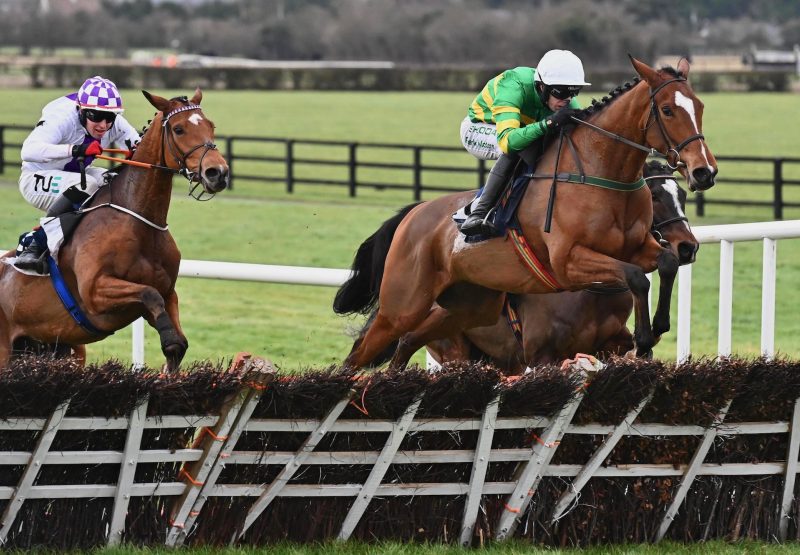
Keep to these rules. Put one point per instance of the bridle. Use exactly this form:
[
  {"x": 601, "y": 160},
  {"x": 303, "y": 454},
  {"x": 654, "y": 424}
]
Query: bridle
[
  {"x": 655, "y": 229},
  {"x": 168, "y": 143},
  {"x": 654, "y": 113},
  {"x": 653, "y": 117}
]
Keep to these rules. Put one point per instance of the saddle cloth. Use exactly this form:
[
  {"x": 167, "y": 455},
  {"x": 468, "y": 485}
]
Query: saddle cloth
[{"x": 504, "y": 214}]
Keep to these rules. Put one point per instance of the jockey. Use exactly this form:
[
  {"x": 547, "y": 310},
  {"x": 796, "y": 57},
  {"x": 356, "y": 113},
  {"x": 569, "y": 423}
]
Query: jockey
[
  {"x": 73, "y": 129},
  {"x": 513, "y": 110}
]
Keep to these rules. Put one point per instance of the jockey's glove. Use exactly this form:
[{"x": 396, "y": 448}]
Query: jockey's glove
[
  {"x": 90, "y": 149},
  {"x": 561, "y": 118}
]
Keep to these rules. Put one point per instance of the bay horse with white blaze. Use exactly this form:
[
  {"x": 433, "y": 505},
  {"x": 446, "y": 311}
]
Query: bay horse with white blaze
[
  {"x": 550, "y": 327},
  {"x": 121, "y": 262},
  {"x": 436, "y": 285}
]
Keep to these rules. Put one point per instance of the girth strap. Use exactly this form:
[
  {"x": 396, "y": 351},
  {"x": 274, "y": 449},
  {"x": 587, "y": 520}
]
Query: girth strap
[{"x": 69, "y": 301}]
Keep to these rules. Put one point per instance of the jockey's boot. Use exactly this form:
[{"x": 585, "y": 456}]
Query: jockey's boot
[
  {"x": 477, "y": 222},
  {"x": 32, "y": 258},
  {"x": 63, "y": 204}
]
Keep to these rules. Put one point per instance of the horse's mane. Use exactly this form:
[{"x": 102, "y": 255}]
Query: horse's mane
[{"x": 598, "y": 105}]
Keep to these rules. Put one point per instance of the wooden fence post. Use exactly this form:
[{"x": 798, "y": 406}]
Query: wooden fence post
[{"x": 217, "y": 445}]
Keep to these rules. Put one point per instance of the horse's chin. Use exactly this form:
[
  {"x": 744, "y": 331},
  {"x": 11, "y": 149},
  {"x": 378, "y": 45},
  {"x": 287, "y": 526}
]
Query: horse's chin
[{"x": 213, "y": 187}]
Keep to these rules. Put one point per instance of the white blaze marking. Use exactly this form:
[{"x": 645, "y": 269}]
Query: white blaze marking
[
  {"x": 671, "y": 187},
  {"x": 686, "y": 103},
  {"x": 196, "y": 118}
]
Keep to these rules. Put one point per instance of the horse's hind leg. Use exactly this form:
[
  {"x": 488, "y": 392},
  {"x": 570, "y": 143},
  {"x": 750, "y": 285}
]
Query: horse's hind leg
[
  {"x": 176, "y": 350},
  {"x": 111, "y": 294},
  {"x": 468, "y": 306}
]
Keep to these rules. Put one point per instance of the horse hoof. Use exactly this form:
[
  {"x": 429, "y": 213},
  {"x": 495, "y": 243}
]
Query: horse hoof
[{"x": 174, "y": 354}]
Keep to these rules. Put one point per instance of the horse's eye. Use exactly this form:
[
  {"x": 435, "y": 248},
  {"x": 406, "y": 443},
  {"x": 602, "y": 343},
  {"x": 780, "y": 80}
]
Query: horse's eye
[
  {"x": 666, "y": 110},
  {"x": 178, "y": 130}
]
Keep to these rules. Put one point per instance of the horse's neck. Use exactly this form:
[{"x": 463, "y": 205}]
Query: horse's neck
[
  {"x": 147, "y": 191},
  {"x": 606, "y": 157}
]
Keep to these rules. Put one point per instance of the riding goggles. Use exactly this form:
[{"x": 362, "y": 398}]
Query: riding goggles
[
  {"x": 97, "y": 116},
  {"x": 564, "y": 92}
]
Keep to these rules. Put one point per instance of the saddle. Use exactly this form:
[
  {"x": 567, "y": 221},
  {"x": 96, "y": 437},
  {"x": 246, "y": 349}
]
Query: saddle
[{"x": 502, "y": 215}]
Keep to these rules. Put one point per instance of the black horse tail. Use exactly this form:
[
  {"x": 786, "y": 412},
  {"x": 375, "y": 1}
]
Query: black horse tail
[{"x": 359, "y": 294}]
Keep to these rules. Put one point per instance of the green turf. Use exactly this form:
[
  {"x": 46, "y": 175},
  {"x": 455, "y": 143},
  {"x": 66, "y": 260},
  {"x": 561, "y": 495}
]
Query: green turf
[{"x": 295, "y": 325}]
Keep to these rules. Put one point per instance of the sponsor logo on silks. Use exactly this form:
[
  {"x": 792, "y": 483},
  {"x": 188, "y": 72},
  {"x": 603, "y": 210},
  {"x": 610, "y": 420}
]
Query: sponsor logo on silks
[
  {"x": 47, "y": 184},
  {"x": 483, "y": 130}
]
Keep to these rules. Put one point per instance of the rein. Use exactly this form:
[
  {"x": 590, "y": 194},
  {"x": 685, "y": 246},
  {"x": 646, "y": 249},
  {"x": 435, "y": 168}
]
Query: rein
[
  {"x": 177, "y": 155},
  {"x": 654, "y": 115},
  {"x": 607, "y": 183}
]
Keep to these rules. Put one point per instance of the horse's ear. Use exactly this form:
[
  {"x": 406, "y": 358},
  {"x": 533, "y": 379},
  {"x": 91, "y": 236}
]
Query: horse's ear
[
  {"x": 160, "y": 104},
  {"x": 683, "y": 67},
  {"x": 198, "y": 96},
  {"x": 645, "y": 71}
]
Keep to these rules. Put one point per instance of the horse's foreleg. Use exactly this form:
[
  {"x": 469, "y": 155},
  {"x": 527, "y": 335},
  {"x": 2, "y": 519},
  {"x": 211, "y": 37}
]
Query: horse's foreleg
[
  {"x": 586, "y": 268},
  {"x": 111, "y": 294},
  {"x": 667, "y": 271}
]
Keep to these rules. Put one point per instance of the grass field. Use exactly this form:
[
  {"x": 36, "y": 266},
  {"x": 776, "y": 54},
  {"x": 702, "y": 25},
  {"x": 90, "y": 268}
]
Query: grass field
[{"x": 294, "y": 325}]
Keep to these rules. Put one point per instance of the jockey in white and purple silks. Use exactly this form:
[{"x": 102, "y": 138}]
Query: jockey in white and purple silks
[{"x": 72, "y": 128}]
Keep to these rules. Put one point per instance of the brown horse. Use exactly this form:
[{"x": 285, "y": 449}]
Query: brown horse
[
  {"x": 121, "y": 262},
  {"x": 560, "y": 325},
  {"x": 435, "y": 285}
]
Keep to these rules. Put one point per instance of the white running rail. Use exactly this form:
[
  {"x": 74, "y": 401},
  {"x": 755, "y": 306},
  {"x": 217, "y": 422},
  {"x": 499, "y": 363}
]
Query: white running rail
[{"x": 725, "y": 235}]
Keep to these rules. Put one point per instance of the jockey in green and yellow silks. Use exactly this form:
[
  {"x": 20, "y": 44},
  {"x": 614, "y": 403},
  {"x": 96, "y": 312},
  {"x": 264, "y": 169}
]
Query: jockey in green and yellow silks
[
  {"x": 511, "y": 103},
  {"x": 512, "y": 111}
]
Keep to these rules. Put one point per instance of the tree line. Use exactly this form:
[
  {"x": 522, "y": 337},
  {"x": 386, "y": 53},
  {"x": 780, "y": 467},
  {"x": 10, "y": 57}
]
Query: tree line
[{"x": 461, "y": 33}]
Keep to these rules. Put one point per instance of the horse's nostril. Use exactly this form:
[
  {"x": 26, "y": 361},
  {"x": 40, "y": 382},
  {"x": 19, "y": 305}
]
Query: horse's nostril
[
  {"x": 702, "y": 175},
  {"x": 212, "y": 173},
  {"x": 687, "y": 252}
]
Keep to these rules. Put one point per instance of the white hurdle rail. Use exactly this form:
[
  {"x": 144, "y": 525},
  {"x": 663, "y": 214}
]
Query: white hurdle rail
[{"x": 725, "y": 235}]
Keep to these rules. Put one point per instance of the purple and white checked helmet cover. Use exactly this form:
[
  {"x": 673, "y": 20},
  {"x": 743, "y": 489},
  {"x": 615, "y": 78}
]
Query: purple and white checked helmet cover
[{"x": 100, "y": 94}]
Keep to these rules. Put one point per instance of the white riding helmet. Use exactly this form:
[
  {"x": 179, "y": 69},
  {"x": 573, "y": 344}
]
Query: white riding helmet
[{"x": 560, "y": 67}]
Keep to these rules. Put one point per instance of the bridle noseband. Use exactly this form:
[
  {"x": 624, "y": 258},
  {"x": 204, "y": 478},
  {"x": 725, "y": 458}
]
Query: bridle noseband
[
  {"x": 655, "y": 228},
  {"x": 654, "y": 113}
]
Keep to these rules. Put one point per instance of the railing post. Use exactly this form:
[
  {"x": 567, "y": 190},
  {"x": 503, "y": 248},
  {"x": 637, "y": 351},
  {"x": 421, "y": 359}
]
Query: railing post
[
  {"x": 2, "y": 148},
  {"x": 289, "y": 166},
  {"x": 724, "y": 343},
  {"x": 229, "y": 153},
  {"x": 417, "y": 173},
  {"x": 777, "y": 188},
  {"x": 700, "y": 203},
  {"x": 684, "y": 312},
  {"x": 352, "y": 163},
  {"x": 768, "y": 298}
]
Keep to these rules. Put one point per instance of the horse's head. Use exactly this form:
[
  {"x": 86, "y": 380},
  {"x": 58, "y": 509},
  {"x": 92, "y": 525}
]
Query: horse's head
[
  {"x": 675, "y": 123},
  {"x": 669, "y": 215},
  {"x": 187, "y": 141}
]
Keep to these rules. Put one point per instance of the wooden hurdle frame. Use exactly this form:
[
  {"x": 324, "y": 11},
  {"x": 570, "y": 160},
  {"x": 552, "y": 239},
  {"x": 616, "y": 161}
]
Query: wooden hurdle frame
[{"x": 215, "y": 448}]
